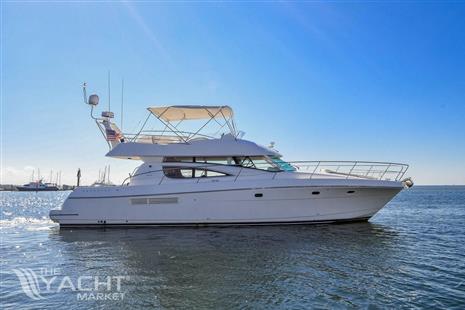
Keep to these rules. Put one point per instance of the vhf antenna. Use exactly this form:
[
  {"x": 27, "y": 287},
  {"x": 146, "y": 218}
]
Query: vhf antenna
[
  {"x": 109, "y": 98},
  {"x": 85, "y": 92},
  {"x": 122, "y": 102}
]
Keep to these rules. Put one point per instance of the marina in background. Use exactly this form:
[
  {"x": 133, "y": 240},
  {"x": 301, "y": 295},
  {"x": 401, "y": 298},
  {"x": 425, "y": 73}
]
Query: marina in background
[{"x": 39, "y": 183}]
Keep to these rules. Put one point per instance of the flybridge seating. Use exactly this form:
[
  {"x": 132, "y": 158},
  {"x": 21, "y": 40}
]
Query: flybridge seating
[{"x": 174, "y": 119}]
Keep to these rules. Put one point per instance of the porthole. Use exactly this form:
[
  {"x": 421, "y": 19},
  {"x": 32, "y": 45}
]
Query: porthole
[{"x": 258, "y": 195}]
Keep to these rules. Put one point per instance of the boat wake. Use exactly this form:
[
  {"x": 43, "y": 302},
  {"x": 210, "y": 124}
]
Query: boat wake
[{"x": 28, "y": 223}]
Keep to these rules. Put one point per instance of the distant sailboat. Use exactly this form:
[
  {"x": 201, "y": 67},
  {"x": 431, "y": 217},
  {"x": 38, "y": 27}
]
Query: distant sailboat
[{"x": 104, "y": 178}]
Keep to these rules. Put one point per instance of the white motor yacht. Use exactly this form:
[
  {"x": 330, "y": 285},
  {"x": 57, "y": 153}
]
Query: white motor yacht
[
  {"x": 189, "y": 178},
  {"x": 37, "y": 186}
]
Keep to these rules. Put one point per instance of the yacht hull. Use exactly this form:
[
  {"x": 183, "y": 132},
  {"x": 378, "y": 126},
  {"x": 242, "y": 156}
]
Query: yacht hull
[{"x": 266, "y": 205}]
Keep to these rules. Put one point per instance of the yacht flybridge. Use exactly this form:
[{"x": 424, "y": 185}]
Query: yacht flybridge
[{"x": 190, "y": 177}]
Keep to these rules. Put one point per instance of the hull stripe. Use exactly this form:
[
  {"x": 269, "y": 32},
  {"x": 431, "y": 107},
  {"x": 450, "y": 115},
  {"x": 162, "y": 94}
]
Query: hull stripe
[
  {"x": 213, "y": 224},
  {"x": 236, "y": 189}
]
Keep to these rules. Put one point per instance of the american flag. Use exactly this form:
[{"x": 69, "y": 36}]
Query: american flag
[{"x": 111, "y": 135}]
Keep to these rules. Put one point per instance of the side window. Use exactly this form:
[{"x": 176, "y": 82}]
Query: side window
[
  {"x": 187, "y": 173},
  {"x": 215, "y": 160},
  {"x": 210, "y": 160},
  {"x": 177, "y": 173},
  {"x": 178, "y": 159},
  {"x": 211, "y": 173},
  {"x": 200, "y": 173},
  {"x": 257, "y": 162},
  {"x": 204, "y": 173}
]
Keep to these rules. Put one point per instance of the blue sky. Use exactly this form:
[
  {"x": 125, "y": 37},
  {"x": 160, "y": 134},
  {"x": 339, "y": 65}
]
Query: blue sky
[{"x": 329, "y": 81}]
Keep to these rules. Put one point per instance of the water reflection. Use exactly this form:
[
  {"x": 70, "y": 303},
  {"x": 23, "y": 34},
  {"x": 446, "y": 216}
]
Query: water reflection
[{"x": 232, "y": 267}]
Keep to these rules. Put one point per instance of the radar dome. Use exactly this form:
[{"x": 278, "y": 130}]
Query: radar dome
[{"x": 93, "y": 100}]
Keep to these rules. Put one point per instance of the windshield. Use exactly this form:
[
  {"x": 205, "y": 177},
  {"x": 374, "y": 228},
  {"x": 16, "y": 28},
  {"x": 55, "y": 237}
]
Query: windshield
[
  {"x": 257, "y": 162},
  {"x": 285, "y": 166}
]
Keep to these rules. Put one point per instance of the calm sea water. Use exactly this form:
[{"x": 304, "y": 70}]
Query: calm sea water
[{"x": 411, "y": 255}]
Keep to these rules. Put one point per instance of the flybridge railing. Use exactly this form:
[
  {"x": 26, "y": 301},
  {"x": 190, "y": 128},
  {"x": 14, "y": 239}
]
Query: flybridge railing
[
  {"x": 312, "y": 169},
  {"x": 164, "y": 136}
]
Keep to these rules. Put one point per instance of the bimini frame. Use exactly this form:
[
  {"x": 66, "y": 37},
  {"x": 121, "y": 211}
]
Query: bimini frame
[{"x": 168, "y": 115}]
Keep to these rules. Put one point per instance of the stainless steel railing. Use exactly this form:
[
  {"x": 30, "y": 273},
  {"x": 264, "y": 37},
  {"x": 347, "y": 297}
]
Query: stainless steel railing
[
  {"x": 314, "y": 169},
  {"x": 164, "y": 136},
  {"x": 354, "y": 169}
]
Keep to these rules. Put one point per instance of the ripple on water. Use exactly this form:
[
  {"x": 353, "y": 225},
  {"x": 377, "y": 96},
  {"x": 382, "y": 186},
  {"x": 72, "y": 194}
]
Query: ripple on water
[{"x": 410, "y": 255}]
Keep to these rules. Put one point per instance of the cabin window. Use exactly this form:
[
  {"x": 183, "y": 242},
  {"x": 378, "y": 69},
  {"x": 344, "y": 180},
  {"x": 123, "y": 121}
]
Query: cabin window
[
  {"x": 179, "y": 159},
  {"x": 254, "y": 162},
  {"x": 215, "y": 160},
  {"x": 208, "y": 160},
  {"x": 257, "y": 162},
  {"x": 187, "y": 173},
  {"x": 282, "y": 164}
]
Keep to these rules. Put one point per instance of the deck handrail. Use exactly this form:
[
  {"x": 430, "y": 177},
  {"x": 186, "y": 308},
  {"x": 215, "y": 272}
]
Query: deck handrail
[
  {"x": 358, "y": 169},
  {"x": 185, "y": 136},
  {"x": 353, "y": 169}
]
